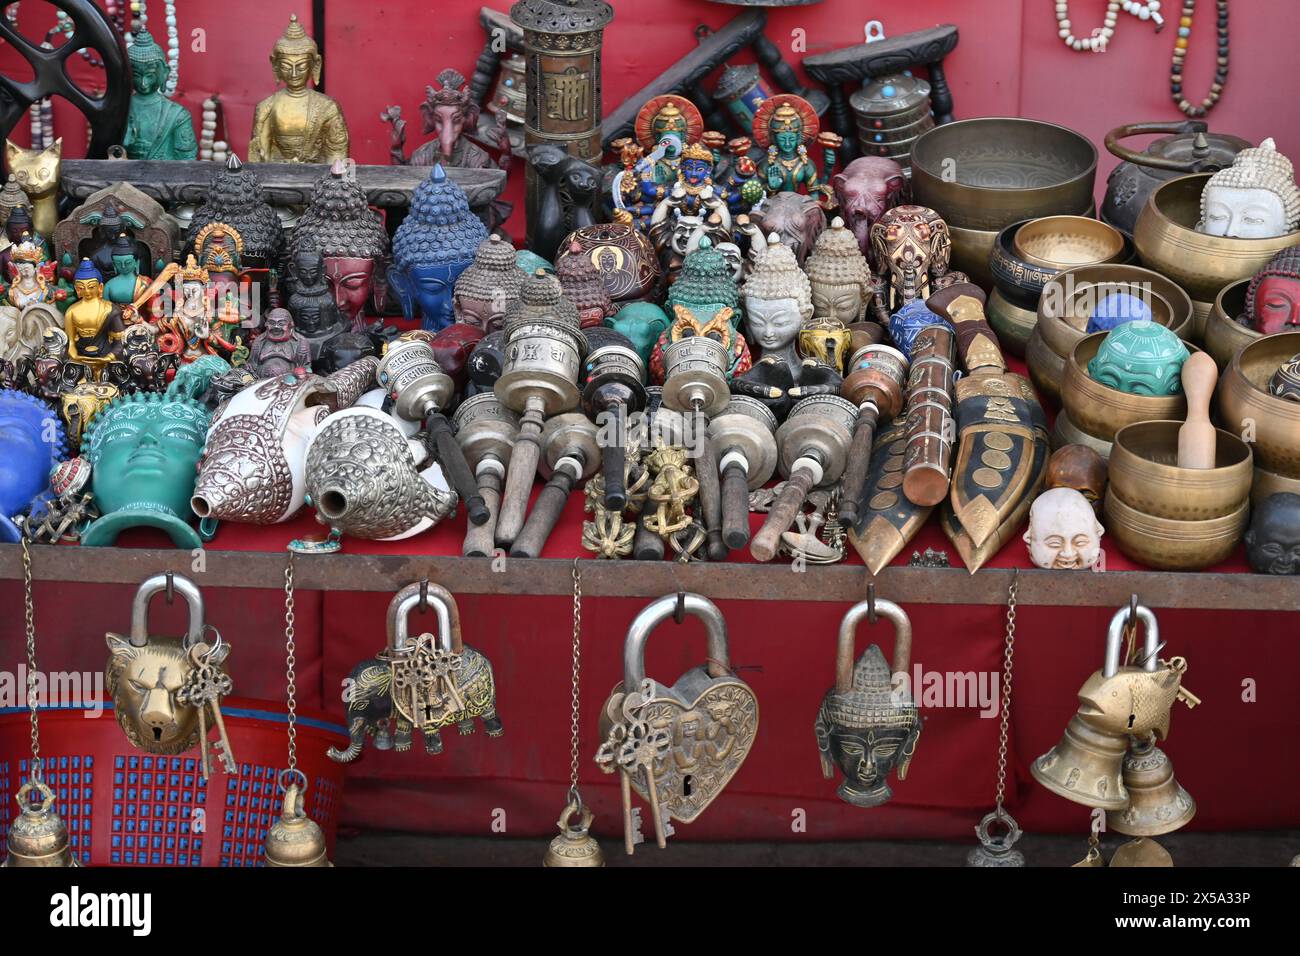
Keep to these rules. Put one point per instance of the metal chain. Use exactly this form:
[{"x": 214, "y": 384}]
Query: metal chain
[
  {"x": 577, "y": 666},
  {"x": 291, "y": 665},
  {"x": 1006, "y": 689},
  {"x": 30, "y": 613}
]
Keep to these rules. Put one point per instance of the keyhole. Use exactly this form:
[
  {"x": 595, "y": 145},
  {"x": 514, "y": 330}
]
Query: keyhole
[
  {"x": 1131, "y": 719},
  {"x": 686, "y": 785}
]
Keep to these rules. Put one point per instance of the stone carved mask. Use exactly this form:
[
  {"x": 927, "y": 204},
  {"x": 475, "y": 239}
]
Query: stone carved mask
[{"x": 1063, "y": 533}]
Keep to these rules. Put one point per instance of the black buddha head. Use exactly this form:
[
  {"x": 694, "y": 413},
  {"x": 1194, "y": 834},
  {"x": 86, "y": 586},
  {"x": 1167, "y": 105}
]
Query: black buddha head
[{"x": 1273, "y": 539}]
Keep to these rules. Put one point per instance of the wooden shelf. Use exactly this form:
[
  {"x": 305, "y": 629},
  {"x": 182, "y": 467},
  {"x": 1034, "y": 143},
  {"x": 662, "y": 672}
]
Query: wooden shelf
[{"x": 747, "y": 582}]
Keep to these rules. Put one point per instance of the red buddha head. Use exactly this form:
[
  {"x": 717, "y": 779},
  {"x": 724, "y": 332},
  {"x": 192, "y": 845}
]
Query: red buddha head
[
  {"x": 351, "y": 281},
  {"x": 1273, "y": 296}
]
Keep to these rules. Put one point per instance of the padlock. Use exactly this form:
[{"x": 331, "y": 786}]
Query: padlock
[
  {"x": 424, "y": 683},
  {"x": 695, "y": 733},
  {"x": 865, "y": 725},
  {"x": 147, "y": 673}
]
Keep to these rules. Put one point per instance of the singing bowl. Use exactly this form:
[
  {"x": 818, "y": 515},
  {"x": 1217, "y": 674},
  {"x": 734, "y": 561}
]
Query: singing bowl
[
  {"x": 1046, "y": 368},
  {"x": 989, "y": 172},
  {"x": 1224, "y": 335},
  {"x": 1100, "y": 410},
  {"x": 1064, "y": 242},
  {"x": 1012, "y": 323},
  {"x": 1244, "y": 403},
  {"x": 971, "y": 249},
  {"x": 1065, "y": 432},
  {"x": 1167, "y": 241},
  {"x": 1144, "y": 473},
  {"x": 1022, "y": 280},
  {"x": 1270, "y": 483},
  {"x": 1169, "y": 544}
]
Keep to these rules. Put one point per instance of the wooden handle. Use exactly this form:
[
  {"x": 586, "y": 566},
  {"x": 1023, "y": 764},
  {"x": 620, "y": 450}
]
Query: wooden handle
[
  {"x": 455, "y": 468},
  {"x": 480, "y": 539},
  {"x": 855, "y": 475},
  {"x": 545, "y": 514},
  {"x": 706, "y": 472},
  {"x": 613, "y": 462},
  {"x": 524, "y": 456},
  {"x": 784, "y": 510},
  {"x": 1197, "y": 441},
  {"x": 735, "y": 506},
  {"x": 647, "y": 546}
]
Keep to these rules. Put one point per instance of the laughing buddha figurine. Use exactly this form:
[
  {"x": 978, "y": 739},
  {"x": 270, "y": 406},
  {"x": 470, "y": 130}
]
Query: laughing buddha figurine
[{"x": 297, "y": 124}]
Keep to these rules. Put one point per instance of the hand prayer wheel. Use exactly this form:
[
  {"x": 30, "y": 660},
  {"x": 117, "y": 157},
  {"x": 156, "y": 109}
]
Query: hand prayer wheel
[
  {"x": 875, "y": 382},
  {"x": 615, "y": 387},
  {"x": 814, "y": 444},
  {"x": 486, "y": 432},
  {"x": 572, "y": 454},
  {"x": 931, "y": 428},
  {"x": 420, "y": 390},
  {"x": 543, "y": 354},
  {"x": 744, "y": 438}
]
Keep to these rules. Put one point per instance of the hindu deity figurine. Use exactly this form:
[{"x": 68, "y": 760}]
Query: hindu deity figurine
[
  {"x": 785, "y": 125},
  {"x": 1063, "y": 532},
  {"x": 156, "y": 128},
  {"x": 18, "y": 229},
  {"x": 642, "y": 323},
  {"x": 1273, "y": 295},
  {"x": 235, "y": 198},
  {"x": 489, "y": 287},
  {"x": 144, "y": 452},
  {"x": 664, "y": 127},
  {"x": 279, "y": 349},
  {"x": 842, "y": 285},
  {"x": 434, "y": 244},
  {"x": 28, "y": 306},
  {"x": 582, "y": 285},
  {"x": 778, "y": 300},
  {"x": 709, "y": 294},
  {"x": 1254, "y": 198},
  {"x": 31, "y": 277},
  {"x": 316, "y": 315},
  {"x": 1273, "y": 538},
  {"x": 1141, "y": 358},
  {"x": 340, "y": 225},
  {"x": 691, "y": 199},
  {"x": 297, "y": 124},
  {"x": 32, "y": 441},
  {"x": 866, "y": 189},
  {"x": 127, "y": 284},
  {"x": 199, "y": 325},
  {"x": 911, "y": 247},
  {"x": 92, "y": 323}
]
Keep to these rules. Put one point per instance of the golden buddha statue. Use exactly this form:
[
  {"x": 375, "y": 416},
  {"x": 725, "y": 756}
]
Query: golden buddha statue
[
  {"x": 92, "y": 323},
  {"x": 297, "y": 124}
]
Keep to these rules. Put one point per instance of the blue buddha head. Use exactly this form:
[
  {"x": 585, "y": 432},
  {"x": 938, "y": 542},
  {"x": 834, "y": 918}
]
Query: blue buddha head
[{"x": 32, "y": 441}]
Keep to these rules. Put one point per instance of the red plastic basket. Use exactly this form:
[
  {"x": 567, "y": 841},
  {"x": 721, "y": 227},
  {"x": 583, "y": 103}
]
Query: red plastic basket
[{"x": 124, "y": 807}]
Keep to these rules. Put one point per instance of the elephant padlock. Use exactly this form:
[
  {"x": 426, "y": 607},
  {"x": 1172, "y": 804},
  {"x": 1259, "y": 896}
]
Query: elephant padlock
[
  {"x": 165, "y": 688},
  {"x": 866, "y": 726},
  {"x": 678, "y": 746},
  {"x": 425, "y": 682}
]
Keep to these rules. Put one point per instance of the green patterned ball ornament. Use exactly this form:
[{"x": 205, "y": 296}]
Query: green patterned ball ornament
[{"x": 1140, "y": 358}]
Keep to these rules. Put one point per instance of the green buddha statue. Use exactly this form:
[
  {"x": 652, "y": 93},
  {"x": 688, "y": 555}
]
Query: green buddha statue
[
  {"x": 156, "y": 128},
  {"x": 1140, "y": 358},
  {"x": 127, "y": 284}
]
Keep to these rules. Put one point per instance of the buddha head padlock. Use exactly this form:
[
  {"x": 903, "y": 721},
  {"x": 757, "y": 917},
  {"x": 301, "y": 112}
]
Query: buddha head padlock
[
  {"x": 866, "y": 726},
  {"x": 424, "y": 683},
  {"x": 708, "y": 718},
  {"x": 147, "y": 675}
]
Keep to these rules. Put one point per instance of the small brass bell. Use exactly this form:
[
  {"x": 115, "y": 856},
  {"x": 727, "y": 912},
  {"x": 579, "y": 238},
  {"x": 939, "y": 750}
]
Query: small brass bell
[
  {"x": 1093, "y": 857},
  {"x": 1085, "y": 767},
  {"x": 295, "y": 839},
  {"x": 1141, "y": 852},
  {"x": 38, "y": 836},
  {"x": 996, "y": 850},
  {"x": 575, "y": 846},
  {"x": 1157, "y": 803}
]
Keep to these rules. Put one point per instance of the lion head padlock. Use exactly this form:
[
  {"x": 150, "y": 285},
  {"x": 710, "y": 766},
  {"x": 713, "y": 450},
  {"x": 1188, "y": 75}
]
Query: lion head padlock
[
  {"x": 425, "y": 682},
  {"x": 678, "y": 746},
  {"x": 164, "y": 688},
  {"x": 1115, "y": 703},
  {"x": 37, "y": 836},
  {"x": 866, "y": 726}
]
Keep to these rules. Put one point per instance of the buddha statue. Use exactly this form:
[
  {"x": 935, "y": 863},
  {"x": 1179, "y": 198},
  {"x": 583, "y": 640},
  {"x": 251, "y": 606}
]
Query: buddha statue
[
  {"x": 297, "y": 124},
  {"x": 1273, "y": 295},
  {"x": 144, "y": 452},
  {"x": 1063, "y": 532},
  {"x": 867, "y": 731},
  {"x": 235, "y": 198},
  {"x": 706, "y": 288},
  {"x": 11, "y": 197},
  {"x": 1141, "y": 358},
  {"x": 32, "y": 441},
  {"x": 435, "y": 243},
  {"x": 842, "y": 286},
  {"x": 279, "y": 349},
  {"x": 93, "y": 324},
  {"x": 127, "y": 284},
  {"x": 778, "y": 301},
  {"x": 489, "y": 287},
  {"x": 1254, "y": 198},
  {"x": 156, "y": 128},
  {"x": 1273, "y": 538},
  {"x": 316, "y": 315},
  {"x": 340, "y": 225},
  {"x": 582, "y": 285}
]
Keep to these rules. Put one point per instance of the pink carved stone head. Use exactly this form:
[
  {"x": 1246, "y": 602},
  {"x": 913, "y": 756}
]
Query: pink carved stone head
[{"x": 866, "y": 188}]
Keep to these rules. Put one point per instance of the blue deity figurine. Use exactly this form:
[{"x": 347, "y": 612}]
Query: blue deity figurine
[{"x": 32, "y": 442}]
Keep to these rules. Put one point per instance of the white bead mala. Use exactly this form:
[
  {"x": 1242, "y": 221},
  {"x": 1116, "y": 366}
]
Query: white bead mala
[{"x": 1100, "y": 38}]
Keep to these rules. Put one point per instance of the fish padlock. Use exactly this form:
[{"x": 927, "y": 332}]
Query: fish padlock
[
  {"x": 704, "y": 724},
  {"x": 150, "y": 677},
  {"x": 866, "y": 726},
  {"x": 1115, "y": 703},
  {"x": 37, "y": 836},
  {"x": 425, "y": 682}
]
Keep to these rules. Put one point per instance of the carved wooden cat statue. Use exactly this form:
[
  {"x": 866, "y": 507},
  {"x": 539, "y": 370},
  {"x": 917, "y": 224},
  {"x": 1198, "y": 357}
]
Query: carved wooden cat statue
[{"x": 37, "y": 171}]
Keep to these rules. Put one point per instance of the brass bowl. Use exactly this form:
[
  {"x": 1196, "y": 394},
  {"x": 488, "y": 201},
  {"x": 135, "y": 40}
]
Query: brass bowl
[
  {"x": 1100, "y": 410},
  {"x": 1169, "y": 544},
  {"x": 1021, "y": 279},
  {"x": 1269, "y": 483},
  {"x": 971, "y": 249},
  {"x": 1244, "y": 402},
  {"x": 1012, "y": 323},
  {"x": 1167, "y": 241},
  {"x": 989, "y": 172},
  {"x": 1046, "y": 368},
  {"x": 1224, "y": 335},
  {"x": 1065, "y": 432},
  {"x": 1064, "y": 242},
  {"x": 1144, "y": 473}
]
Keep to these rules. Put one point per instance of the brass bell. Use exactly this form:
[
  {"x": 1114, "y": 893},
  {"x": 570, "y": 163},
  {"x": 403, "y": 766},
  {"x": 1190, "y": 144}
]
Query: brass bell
[
  {"x": 996, "y": 850},
  {"x": 1157, "y": 802},
  {"x": 295, "y": 839},
  {"x": 575, "y": 846},
  {"x": 38, "y": 836},
  {"x": 1141, "y": 852}
]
